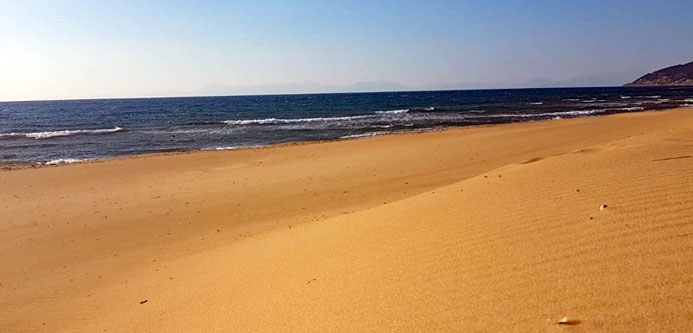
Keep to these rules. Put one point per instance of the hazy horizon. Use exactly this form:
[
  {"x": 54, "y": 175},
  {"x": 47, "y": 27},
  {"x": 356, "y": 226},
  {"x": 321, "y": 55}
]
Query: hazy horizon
[{"x": 63, "y": 50}]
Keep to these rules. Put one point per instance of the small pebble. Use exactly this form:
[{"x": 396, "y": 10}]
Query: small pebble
[
  {"x": 567, "y": 321},
  {"x": 603, "y": 207}
]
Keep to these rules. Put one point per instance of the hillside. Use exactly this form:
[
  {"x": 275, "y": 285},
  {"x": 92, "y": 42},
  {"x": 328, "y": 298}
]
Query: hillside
[{"x": 679, "y": 75}]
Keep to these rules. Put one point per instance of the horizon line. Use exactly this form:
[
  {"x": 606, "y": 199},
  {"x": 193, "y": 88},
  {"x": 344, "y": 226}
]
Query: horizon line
[{"x": 295, "y": 94}]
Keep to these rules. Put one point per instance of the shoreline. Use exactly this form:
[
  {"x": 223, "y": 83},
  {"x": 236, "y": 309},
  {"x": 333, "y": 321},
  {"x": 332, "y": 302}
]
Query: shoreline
[
  {"x": 292, "y": 143},
  {"x": 586, "y": 218}
]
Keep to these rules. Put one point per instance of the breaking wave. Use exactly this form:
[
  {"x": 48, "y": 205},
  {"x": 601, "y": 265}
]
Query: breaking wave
[
  {"x": 62, "y": 161},
  {"x": 275, "y": 121},
  {"x": 393, "y": 111},
  {"x": 53, "y": 134},
  {"x": 365, "y": 135},
  {"x": 575, "y": 113}
]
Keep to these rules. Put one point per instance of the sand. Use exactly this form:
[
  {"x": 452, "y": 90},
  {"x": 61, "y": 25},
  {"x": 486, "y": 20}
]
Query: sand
[{"x": 488, "y": 228}]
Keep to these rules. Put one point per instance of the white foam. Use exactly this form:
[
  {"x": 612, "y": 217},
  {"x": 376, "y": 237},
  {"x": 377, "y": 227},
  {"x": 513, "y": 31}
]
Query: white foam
[
  {"x": 688, "y": 100},
  {"x": 536, "y": 103},
  {"x": 574, "y": 113},
  {"x": 393, "y": 111},
  {"x": 62, "y": 161},
  {"x": 571, "y": 99},
  {"x": 365, "y": 135},
  {"x": 250, "y": 121},
  {"x": 625, "y": 97},
  {"x": 686, "y": 105},
  {"x": 230, "y": 147},
  {"x": 227, "y": 148},
  {"x": 275, "y": 121},
  {"x": 632, "y": 108},
  {"x": 52, "y": 134}
]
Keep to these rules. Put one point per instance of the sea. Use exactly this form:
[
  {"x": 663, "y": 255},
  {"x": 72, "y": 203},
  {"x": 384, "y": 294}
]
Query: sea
[{"x": 69, "y": 131}]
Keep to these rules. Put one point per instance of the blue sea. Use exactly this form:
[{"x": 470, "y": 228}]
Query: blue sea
[{"x": 66, "y": 131}]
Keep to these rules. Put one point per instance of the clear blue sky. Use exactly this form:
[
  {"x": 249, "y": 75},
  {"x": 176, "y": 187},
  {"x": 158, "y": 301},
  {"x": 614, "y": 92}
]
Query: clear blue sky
[{"x": 77, "y": 49}]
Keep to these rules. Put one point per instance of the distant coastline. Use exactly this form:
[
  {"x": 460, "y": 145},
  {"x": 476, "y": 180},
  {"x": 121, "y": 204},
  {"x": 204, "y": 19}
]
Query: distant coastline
[{"x": 679, "y": 75}]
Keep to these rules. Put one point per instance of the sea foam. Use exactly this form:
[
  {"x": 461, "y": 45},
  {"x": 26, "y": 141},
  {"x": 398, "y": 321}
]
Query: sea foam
[
  {"x": 52, "y": 134},
  {"x": 632, "y": 108},
  {"x": 275, "y": 121},
  {"x": 62, "y": 161},
  {"x": 574, "y": 113},
  {"x": 393, "y": 111},
  {"x": 365, "y": 135}
]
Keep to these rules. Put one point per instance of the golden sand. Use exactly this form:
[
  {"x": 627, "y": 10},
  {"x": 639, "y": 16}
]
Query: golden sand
[{"x": 490, "y": 228}]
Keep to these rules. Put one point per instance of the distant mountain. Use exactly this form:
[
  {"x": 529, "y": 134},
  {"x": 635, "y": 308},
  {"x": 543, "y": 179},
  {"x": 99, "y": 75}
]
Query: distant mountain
[{"x": 679, "y": 75}]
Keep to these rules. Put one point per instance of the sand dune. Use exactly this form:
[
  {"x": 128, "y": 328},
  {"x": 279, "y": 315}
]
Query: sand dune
[{"x": 494, "y": 228}]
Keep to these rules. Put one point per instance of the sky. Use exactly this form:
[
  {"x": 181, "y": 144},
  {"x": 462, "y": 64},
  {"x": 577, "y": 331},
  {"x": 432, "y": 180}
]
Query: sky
[{"x": 89, "y": 49}]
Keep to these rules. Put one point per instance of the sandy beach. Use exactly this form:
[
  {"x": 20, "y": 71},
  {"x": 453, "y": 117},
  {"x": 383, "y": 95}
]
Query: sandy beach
[{"x": 509, "y": 227}]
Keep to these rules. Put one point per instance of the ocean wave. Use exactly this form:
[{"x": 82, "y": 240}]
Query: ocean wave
[
  {"x": 536, "y": 103},
  {"x": 231, "y": 147},
  {"x": 275, "y": 121},
  {"x": 365, "y": 135},
  {"x": 52, "y": 134},
  {"x": 574, "y": 113},
  {"x": 62, "y": 161},
  {"x": 686, "y": 105},
  {"x": 226, "y": 148},
  {"x": 632, "y": 108},
  {"x": 571, "y": 99},
  {"x": 392, "y": 111},
  {"x": 626, "y": 97},
  {"x": 688, "y": 100}
]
